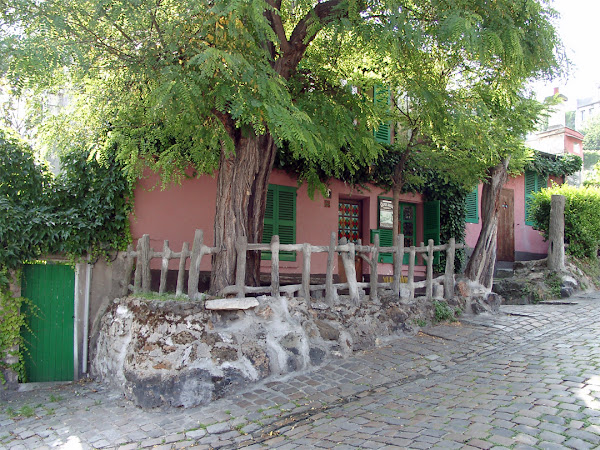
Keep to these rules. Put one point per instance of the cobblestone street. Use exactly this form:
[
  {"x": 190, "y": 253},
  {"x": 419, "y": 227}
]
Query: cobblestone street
[{"x": 528, "y": 378}]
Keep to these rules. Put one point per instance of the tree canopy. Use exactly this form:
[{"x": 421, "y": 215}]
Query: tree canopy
[
  {"x": 223, "y": 85},
  {"x": 591, "y": 139}
]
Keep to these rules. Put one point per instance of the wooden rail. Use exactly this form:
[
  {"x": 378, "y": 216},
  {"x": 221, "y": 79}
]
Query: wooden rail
[{"x": 143, "y": 254}]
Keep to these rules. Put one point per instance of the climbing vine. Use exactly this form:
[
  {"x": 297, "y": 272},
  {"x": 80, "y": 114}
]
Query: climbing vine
[
  {"x": 557, "y": 165},
  {"x": 12, "y": 321},
  {"x": 83, "y": 210}
]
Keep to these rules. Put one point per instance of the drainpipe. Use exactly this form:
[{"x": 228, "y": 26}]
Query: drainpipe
[
  {"x": 86, "y": 314},
  {"x": 76, "y": 327}
]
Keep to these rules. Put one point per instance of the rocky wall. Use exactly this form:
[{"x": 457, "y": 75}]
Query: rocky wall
[{"x": 178, "y": 353}]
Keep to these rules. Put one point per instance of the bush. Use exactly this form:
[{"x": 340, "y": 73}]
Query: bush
[{"x": 582, "y": 217}]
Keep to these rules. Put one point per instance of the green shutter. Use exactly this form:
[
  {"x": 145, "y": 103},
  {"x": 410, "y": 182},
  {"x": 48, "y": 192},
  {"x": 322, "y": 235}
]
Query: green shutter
[
  {"x": 431, "y": 225},
  {"x": 386, "y": 239},
  {"x": 381, "y": 95},
  {"x": 531, "y": 186},
  {"x": 280, "y": 219},
  {"x": 472, "y": 206}
]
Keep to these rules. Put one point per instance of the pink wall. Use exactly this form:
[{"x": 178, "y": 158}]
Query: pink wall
[
  {"x": 175, "y": 213},
  {"x": 573, "y": 137},
  {"x": 526, "y": 238}
]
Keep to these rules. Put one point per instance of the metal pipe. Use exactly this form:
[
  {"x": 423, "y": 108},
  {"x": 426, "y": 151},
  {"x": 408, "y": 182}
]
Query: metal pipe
[{"x": 86, "y": 315}]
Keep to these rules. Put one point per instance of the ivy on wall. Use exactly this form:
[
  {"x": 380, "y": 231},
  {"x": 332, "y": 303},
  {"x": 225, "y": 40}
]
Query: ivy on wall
[{"x": 557, "y": 165}]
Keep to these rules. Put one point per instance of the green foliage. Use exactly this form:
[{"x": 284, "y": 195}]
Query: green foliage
[
  {"x": 582, "y": 217},
  {"x": 591, "y": 131},
  {"x": 554, "y": 283},
  {"x": 570, "y": 119},
  {"x": 451, "y": 195},
  {"x": 590, "y": 267},
  {"x": 85, "y": 209},
  {"x": 24, "y": 214},
  {"x": 11, "y": 323},
  {"x": 557, "y": 165},
  {"x": 443, "y": 312},
  {"x": 171, "y": 84}
]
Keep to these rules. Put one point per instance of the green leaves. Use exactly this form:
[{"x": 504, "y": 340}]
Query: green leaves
[
  {"x": 84, "y": 210},
  {"x": 582, "y": 217}
]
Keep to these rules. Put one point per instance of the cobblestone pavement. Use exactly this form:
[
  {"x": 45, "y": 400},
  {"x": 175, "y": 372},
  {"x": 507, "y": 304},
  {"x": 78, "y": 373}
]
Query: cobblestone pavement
[{"x": 529, "y": 378}]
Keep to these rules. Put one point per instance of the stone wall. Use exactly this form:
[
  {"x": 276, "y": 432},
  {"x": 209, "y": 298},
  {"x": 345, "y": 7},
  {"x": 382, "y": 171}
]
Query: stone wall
[{"x": 177, "y": 353}]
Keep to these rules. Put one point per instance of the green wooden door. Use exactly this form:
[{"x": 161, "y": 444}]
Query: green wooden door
[{"x": 51, "y": 289}]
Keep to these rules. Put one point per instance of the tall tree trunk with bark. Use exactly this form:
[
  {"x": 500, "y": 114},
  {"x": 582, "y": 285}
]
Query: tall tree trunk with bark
[
  {"x": 243, "y": 178},
  {"x": 480, "y": 267}
]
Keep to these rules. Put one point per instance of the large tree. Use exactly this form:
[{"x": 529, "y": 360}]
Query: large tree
[{"x": 187, "y": 85}]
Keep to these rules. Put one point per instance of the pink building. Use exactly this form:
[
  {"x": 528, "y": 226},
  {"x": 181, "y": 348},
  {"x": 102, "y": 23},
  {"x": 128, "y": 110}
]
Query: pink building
[{"x": 175, "y": 213}]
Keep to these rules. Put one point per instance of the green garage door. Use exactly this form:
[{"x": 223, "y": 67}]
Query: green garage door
[{"x": 51, "y": 288}]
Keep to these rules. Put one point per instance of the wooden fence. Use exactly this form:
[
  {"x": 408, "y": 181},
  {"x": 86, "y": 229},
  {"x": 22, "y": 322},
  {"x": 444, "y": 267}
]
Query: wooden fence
[{"x": 143, "y": 254}]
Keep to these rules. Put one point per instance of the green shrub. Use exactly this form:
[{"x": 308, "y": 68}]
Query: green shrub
[
  {"x": 442, "y": 311},
  {"x": 582, "y": 217}
]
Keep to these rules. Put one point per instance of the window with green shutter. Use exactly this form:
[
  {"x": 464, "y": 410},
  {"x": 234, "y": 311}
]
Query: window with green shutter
[
  {"x": 472, "y": 206},
  {"x": 408, "y": 227},
  {"x": 280, "y": 219},
  {"x": 381, "y": 95},
  {"x": 534, "y": 182}
]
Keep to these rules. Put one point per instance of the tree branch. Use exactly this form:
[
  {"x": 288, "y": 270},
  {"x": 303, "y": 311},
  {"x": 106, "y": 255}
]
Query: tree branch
[
  {"x": 277, "y": 25},
  {"x": 322, "y": 14}
]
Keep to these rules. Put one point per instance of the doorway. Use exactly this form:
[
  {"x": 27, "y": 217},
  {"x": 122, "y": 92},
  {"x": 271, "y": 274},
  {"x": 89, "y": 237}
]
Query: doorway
[
  {"x": 350, "y": 227},
  {"x": 49, "y": 337},
  {"x": 505, "y": 242}
]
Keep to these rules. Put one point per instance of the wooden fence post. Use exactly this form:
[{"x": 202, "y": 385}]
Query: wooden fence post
[
  {"x": 429, "y": 276},
  {"x": 129, "y": 264},
  {"x": 449, "y": 275},
  {"x": 185, "y": 251},
  {"x": 411, "y": 273},
  {"x": 275, "y": 283},
  {"x": 374, "y": 272},
  {"x": 350, "y": 268},
  {"x": 556, "y": 248},
  {"x": 398, "y": 257},
  {"x": 306, "y": 255},
  {"x": 195, "y": 259},
  {"x": 164, "y": 269},
  {"x": 144, "y": 255},
  {"x": 329, "y": 289},
  {"x": 241, "y": 247}
]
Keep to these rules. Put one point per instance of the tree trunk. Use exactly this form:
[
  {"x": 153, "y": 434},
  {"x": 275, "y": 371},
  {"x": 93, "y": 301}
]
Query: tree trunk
[
  {"x": 480, "y": 267},
  {"x": 242, "y": 185},
  {"x": 257, "y": 205}
]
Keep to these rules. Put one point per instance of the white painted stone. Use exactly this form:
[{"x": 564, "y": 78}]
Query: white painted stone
[{"x": 231, "y": 304}]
